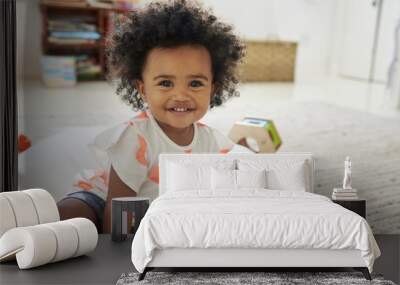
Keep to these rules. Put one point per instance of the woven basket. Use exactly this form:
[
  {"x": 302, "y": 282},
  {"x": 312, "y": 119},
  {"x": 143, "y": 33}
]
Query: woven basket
[{"x": 268, "y": 61}]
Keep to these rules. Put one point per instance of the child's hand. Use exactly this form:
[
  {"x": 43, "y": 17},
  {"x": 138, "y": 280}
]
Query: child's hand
[{"x": 243, "y": 142}]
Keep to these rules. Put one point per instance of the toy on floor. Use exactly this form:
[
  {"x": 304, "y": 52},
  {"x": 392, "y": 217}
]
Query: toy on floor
[
  {"x": 258, "y": 134},
  {"x": 23, "y": 143},
  {"x": 31, "y": 231}
]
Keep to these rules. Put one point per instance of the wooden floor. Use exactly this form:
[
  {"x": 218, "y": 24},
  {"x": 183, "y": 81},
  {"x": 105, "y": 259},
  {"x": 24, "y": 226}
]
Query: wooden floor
[
  {"x": 389, "y": 262},
  {"x": 106, "y": 264}
]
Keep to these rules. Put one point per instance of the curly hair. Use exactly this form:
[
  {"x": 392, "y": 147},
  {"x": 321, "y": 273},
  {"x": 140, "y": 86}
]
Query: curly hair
[{"x": 169, "y": 25}]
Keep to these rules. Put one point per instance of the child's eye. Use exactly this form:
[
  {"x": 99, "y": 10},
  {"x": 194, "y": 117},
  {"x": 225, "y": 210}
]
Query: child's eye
[
  {"x": 196, "y": 83},
  {"x": 165, "y": 83}
]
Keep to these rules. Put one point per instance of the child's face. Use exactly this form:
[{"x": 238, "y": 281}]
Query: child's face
[{"x": 177, "y": 85}]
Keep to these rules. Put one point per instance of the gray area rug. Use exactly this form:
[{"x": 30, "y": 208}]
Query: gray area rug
[
  {"x": 331, "y": 133},
  {"x": 269, "y": 278}
]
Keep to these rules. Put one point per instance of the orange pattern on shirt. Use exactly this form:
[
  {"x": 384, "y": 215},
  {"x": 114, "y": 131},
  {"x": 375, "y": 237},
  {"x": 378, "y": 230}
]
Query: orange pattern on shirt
[
  {"x": 142, "y": 115},
  {"x": 224, "y": 150},
  {"x": 188, "y": 151},
  {"x": 154, "y": 174},
  {"x": 141, "y": 152},
  {"x": 102, "y": 174},
  {"x": 84, "y": 185}
]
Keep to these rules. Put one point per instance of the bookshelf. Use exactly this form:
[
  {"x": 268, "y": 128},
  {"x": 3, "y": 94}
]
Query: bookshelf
[{"x": 78, "y": 31}]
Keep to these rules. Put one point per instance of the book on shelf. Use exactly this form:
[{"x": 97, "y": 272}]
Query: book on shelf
[
  {"x": 75, "y": 35},
  {"x": 87, "y": 68},
  {"x": 65, "y": 3},
  {"x": 344, "y": 198},
  {"x": 75, "y": 18},
  {"x": 70, "y": 41},
  {"x": 341, "y": 190},
  {"x": 72, "y": 31},
  {"x": 70, "y": 26},
  {"x": 58, "y": 71},
  {"x": 344, "y": 194},
  {"x": 107, "y": 4}
]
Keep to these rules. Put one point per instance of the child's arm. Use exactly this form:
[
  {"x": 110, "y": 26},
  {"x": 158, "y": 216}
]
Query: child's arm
[{"x": 116, "y": 188}]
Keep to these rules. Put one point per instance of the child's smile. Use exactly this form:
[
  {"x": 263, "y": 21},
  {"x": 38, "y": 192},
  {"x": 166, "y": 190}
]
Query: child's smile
[{"x": 177, "y": 84}]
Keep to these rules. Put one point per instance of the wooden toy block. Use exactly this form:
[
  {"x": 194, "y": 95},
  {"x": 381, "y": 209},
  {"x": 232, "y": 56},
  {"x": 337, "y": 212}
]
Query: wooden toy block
[{"x": 262, "y": 131}]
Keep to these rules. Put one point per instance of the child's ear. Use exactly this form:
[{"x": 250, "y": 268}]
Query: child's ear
[
  {"x": 212, "y": 91},
  {"x": 139, "y": 85}
]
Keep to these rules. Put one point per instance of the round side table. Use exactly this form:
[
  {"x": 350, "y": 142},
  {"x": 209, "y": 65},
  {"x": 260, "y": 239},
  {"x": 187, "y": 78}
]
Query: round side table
[{"x": 119, "y": 215}]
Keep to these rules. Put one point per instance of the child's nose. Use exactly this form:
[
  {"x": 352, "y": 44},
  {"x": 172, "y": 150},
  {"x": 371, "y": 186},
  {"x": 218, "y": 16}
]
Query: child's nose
[{"x": 181, "y": 93}]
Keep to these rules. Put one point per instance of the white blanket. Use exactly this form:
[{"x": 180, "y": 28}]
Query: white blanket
[{"x": 253, "y": 218}]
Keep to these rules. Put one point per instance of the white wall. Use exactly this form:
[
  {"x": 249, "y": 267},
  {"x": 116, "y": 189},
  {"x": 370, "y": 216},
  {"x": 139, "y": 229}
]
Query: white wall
[
  {"x": 357, "y": 36},
  {"x": 308, "y": 22},
  {"x": 354, "y": 31},
  {"x": 390, "y": 17},
  {"x": 21, "y": 12},
  {"x": 29, "y": 23}
]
